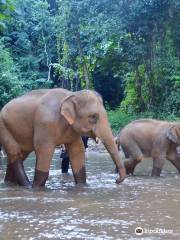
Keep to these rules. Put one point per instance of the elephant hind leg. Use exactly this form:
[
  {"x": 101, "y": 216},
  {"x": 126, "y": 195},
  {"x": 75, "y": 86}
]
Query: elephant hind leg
[
  {"x": 176, "y": 163},
  {"x": 15, "y": 172},
  {"x": 10, "y": 174}
]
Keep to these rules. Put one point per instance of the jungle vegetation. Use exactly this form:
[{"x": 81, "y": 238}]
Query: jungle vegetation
[{"x": 127, "y": 50}]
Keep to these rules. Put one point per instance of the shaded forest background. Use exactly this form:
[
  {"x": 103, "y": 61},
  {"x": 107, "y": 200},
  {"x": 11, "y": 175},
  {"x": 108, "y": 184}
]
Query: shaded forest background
[{"x": 128, "y": 50}]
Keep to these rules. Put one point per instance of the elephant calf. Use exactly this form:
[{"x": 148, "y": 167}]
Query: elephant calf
[{"x": 151, "y": 138}]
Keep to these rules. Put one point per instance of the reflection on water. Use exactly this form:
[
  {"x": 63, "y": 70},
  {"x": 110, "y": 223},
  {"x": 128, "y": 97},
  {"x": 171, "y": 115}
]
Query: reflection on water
[{"x": 101, "y": 210}]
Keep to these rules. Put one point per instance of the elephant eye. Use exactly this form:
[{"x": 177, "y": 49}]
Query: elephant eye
[{"x": 93, "y": 118}]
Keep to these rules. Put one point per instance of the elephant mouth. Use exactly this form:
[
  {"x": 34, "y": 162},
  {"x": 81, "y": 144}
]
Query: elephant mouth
[{"x": 93, "y": 136}]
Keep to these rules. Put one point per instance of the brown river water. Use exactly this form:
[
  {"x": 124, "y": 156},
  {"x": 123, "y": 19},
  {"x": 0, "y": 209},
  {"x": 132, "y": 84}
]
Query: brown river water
[{"x": 101, "y": 210}]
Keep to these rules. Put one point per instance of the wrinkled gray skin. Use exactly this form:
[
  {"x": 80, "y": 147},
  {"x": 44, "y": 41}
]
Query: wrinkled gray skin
[{"x": 150, "y": 138}]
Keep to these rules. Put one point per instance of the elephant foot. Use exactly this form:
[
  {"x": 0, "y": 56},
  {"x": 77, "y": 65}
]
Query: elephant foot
[
  {"x": 15, "y": 173},
  {"x": 122, "y": 173},
  {"x": 129, "y": 168},
  {"x": 156, "y": 172},
  {"x": 40, "y": 178},
  {"x": 80, "y": 176},
  {"x": 10, "y": 176}
]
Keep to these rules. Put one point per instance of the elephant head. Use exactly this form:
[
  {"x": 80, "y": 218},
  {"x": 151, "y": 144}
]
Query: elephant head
[
  {"x": 85, "y": 112},
  {"x": 173, "y": 133}
]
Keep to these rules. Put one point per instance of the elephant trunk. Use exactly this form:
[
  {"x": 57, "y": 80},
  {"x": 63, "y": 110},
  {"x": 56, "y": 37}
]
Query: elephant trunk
[{"x": 103, "y": 131}]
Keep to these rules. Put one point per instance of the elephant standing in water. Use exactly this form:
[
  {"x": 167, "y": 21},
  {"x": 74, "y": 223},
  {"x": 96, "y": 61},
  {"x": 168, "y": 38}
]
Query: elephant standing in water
[
  {"x": 151, "y": 138},
  {"x": 43, "y": 119}
]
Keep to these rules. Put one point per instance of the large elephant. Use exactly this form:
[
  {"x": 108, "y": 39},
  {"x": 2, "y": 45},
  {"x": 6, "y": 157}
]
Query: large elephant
[
  {"x": 151, "y": 138},
  {"x": 44, "y": 119}
]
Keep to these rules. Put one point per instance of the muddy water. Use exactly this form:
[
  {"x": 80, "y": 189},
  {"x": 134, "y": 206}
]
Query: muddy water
[{"x": 101, "y": 210}]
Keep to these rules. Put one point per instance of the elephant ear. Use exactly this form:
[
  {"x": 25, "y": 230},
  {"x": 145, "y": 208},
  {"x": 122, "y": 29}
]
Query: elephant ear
[
  {"x": 172, "y": 134},
  {"x": 68, "y": 109}
]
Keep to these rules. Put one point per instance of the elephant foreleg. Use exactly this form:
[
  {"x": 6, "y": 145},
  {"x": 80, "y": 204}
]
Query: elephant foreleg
[
  {"x": 77, "y": 159},
  {"x": 173, "y": 157},
  {"x": 44, "y": 154},
  {"x": 156, "y": 171},
  {"x": 130, "y": 164}
]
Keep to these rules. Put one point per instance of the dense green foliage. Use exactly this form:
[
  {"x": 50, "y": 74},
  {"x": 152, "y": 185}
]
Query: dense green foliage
[
  {"x": 10, "y": 85},
  {"x": 118, "y": 118},
  {"x": 129, "y": 51}
]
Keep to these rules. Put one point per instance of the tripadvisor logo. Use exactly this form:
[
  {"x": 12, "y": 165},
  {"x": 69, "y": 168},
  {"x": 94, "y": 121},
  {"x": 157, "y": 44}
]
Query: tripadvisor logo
[{"x": 139, "y": 231}]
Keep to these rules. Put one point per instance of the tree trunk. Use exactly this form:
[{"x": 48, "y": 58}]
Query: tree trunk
[
  {"x": 48, "y": 60},
  {"x": 85, "y": 67},
  {"x": 150, "y": 72},
  {"x": 139, "y": 90}
]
